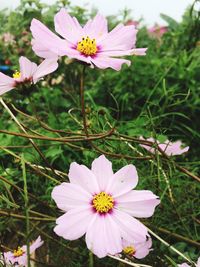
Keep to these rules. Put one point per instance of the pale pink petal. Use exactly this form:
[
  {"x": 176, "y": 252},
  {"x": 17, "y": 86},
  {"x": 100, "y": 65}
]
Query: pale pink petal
[
  {"x": 48, "y": 39},
  {"x": 97, "y": 27},
  {"x": 123, "y": 181},
  {"x": 102, "y": 168},
  {"x": 36, "y": 244},
  {"x": 46, "y": 67},
  {"x": 41, "y": 50},
  {"x": 120, "y": 38},
  {"x": 183, "y": 265},
  {"x": 22, "y": 260},
  {"x": 198, "y": 262},
  {"x": 27, "y": 68},
  {"x": 138, "y": 203},
  {"x": 114, "y": 53},
  {"x": 81, "y": 175},
  {"x": 103, "y": 236},
  {"x": 68, "y": 196},
  {"x": 6, "y": 83},
  {"x": 139, "y": 51},
  {"x": 131, "y": 229},
  {"x": 149, "y": 147},
  {"x": 73, "y": 224},
  {"x": 172, "y": 149},
  {"x": 95, "y": 236},
  {"x": 104, "y": 62},
  {"x": 142, "y": 249},
  {"x": 68, "y": 27},
  {"x": 72, "y": 53},
  {"x": 114, "y": 244},
  {"x": 9, "y": 258}
]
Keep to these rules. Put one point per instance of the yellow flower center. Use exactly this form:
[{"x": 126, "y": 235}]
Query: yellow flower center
[
  {"x": 16, "y": 75},
  {"x": 129, "y": 250},
  {"x": 102, "y": 202},
  {"x": 18, "y": 252},
  {"x": 87, "y": 46}
]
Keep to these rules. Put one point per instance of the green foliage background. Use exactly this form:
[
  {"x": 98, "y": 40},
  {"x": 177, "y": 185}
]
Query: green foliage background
[{"x": 159, "y": 96}]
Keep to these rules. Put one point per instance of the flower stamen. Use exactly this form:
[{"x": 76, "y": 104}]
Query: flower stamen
[
  {"x": 18, "y": 252},
  {"x": 129, "y": 250},
  {"x": 87, "y": 46},
  {"x": 103, "y": 202},
  {"x": 16, "y": 75}
]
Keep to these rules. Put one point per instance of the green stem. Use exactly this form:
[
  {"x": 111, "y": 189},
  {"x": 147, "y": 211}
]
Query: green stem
[
  {"x": 91, "y": 259},
  {"x": 83, "y": 101},
  {"x": 26, "y": 202}
]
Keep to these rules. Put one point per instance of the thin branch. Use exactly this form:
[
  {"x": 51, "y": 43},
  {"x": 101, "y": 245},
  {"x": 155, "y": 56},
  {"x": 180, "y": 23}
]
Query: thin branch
[
  {"x": 19, "y": 216},
  {"x": 22, "y": 128},
  {"x": 128, "y": 262}
]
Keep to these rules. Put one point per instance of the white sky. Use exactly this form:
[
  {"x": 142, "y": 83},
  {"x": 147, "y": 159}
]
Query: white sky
[{"x": 148, "y": 9}]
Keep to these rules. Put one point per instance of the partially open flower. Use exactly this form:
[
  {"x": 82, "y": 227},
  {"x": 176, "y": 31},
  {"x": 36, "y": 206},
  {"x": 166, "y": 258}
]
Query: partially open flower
[
  {"x": 92, "y": 43},
  {"x": 101, "y": 205},
  {"x": 170, "y": 148},
  {"x": 136, "y": 249},
  {"x": 29, "y": 73},
  {"x": 18, "y": 257}
]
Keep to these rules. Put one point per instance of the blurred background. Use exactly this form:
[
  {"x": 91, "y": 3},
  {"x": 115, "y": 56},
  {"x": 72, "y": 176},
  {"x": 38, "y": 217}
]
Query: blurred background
[{"x": 148, "y": 10}]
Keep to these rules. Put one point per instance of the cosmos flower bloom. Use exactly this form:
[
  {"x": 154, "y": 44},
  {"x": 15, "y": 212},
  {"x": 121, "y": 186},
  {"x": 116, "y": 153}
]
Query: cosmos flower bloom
[
  {"x": 101, "y": 205},
  {"x": 170, "y": 149},
  {"x": 157, "y": 31},
  {"x": 186, "y": 265},
  {"x": 136, "y": 249},
  {"x": 29, "y": 73},
  {"x": 18, "y": 258},
  {"x": 92, "y": 43}
]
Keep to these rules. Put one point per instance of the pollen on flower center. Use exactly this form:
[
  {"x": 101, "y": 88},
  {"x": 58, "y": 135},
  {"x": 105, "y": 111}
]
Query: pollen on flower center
[
  {"x": 16, "y": 75},
  {"x": 103, "y": 202},
  {"x": 18, "y": 252},
  {"x": 87, "y": 46},
  {"x": 129, "y": 250}
]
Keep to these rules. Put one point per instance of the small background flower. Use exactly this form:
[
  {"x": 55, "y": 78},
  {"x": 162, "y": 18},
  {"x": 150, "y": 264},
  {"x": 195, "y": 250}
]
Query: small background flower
[
  {"x": 29, "y": 73},
  {"x": 157, "y": 31},
  {"x": 19, "y": 256},
  {"x": 170, "y": 148},
  {"x": 137, "y": 250}
]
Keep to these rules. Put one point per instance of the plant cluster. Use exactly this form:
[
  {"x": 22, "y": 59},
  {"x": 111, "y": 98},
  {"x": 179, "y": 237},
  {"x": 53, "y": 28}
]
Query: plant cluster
[{"x": 98, "y": 98}]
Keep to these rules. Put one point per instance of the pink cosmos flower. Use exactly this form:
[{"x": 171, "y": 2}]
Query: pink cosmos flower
[
  {"x": 186, "y": 265},
  {"x": 157, "y": 31},
  {"x": 170, "y": 149},
  {"x": 137, "y": 250},
  {"x": 101, "y": 205},
  {"x": 18, "y": 258},
  {"x": 132, "y": 22},
  {"x": 29, "y": 73},
  {"x": 92, "y": 43}
]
